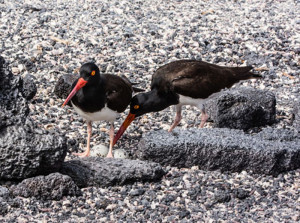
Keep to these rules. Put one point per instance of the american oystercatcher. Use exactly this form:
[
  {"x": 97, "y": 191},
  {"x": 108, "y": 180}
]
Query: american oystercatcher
[
  {"x": 98, "y": 97},
  {"x": 184, "y": 82}
]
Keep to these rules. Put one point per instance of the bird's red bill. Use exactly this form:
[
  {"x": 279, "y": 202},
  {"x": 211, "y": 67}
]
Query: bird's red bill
[
  {"x": 80, "y": 83},
  {"x": 123, "y": 127}
]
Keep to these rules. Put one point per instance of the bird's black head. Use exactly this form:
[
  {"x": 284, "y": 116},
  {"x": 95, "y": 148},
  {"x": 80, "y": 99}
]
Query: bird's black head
[
  {"x": 143, "y": 103},
  {"x": 90, "y": 73},
  {"x": 89, "y": 76},
  {"x": 150, "y": 101}
]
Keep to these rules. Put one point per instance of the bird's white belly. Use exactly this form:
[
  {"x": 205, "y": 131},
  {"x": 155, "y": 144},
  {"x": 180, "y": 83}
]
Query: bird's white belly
[
  {"x": 198, "y": 102},
  {"x": 105, "y": 114},
  {"x": 185, "y": 100}
]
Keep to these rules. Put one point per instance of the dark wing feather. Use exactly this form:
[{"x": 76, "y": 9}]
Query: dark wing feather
[
  {"x": 118, "y": 92},
  {"x": 197, "y": 79},
  {"x": 135, "y": 89}
]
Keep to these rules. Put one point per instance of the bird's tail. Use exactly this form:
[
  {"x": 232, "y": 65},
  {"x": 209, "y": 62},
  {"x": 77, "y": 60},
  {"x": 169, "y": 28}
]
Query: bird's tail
[
  {"x": 135, "y": 89},
  {"x": 243, "y": 73}
]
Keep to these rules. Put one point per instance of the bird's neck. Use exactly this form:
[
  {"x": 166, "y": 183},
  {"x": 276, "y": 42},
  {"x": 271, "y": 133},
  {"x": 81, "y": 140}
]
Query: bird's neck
[{"x": 161, "y": 100}]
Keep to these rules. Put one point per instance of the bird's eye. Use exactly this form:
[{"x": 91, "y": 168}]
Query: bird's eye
[
  {"x": 93, "y": 73},
  {"x": 136, "y": 107}
]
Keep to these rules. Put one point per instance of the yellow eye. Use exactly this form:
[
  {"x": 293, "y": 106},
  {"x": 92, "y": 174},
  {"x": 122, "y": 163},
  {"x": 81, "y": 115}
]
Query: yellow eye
[
  {"x": 136, "y": 107},
  {"x": 93, "y": 73}
]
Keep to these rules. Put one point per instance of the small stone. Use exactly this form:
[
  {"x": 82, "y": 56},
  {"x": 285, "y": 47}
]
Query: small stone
[
  {"x": 15, "y": 70},
  {"x": 137, "y": 192},
  {"x": 222, "y": 197},
  {"x": 241, "y": 194},
  {"x": 4, "y": 192}
]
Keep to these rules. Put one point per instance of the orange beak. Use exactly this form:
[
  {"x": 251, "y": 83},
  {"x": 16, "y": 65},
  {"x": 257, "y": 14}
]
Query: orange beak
[
  {"x": 123, "y": 127},
  {"x": 80, "y": 84}
]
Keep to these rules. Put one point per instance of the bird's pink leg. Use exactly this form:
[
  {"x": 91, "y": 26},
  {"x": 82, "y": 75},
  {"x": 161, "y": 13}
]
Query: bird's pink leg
[
  {"x": 87, "y": 151},
  {"x": 177, "y": 118},
  {"x": 204, "y": 117},
  {"x": 111, "y": 140}
]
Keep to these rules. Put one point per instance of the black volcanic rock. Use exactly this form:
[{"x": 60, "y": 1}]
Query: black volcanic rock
[
  {"x": 282, "y": 135},
  {"x": 29, "y": 88},
  {"x": 51, "y": 187},
  {"x": 63, "y": 86},
  {"x": 242, "y": 108},
  {"x": 4, "y": 196},
  {"x": 3, "y": 207},
  {"x": 296, "y": 116},
  {"x": 4, "y": 192},
  {"x": 13, "y": 106},
  {"x": 97, "y": 171},
  {"x": 223, "y": 149},
  {"x": 222, "y": 197},
  {"x": 25, "y": 149}
]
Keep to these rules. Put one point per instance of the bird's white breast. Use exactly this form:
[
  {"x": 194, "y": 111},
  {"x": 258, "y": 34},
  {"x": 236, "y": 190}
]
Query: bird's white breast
[{"x": 104, "y": 114}]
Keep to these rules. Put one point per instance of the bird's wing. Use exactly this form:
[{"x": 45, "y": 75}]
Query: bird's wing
[
  {"x": 118, "y": 92},
  {"x": 196, "y": 79}
]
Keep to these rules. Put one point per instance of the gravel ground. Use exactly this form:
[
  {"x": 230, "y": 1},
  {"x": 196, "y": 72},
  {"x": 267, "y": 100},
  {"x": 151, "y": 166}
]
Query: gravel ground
[{"x": 50, "y": 38}]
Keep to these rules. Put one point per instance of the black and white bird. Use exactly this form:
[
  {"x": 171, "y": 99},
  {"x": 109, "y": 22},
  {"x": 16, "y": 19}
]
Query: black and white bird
[
  {"x": 98, "y": 97},
  {"x": 184, "y": 82}
]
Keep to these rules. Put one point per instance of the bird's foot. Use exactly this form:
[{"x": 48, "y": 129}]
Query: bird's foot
[
  {"x": 109, "y": 155},
  {"x": 203, "y": 120},
  {"x": 84, "y": 154}
]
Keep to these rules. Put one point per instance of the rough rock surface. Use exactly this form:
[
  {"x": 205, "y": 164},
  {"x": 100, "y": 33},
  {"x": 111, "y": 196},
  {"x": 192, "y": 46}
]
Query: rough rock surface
[
  {"x": 4, "y": 195},
  {"x": 51, "y": 187},
  {"x": 3, "y": 207},
  {"x": 63, "y": 86},
  {"x": 223, "y": 149},
  {"x": 242, "y": 108},
  {"x": 4, "y": 192},
  {"x": 25, "y": 149},
  {"x": 27, "y": 152},
  {"x": 296, "y": 116},
  {"x": 13, "y": 106},
  {"x": 97, "y": 171},
  {"x": 29, "y": 88},
  {"x": 283, "y": 135}
]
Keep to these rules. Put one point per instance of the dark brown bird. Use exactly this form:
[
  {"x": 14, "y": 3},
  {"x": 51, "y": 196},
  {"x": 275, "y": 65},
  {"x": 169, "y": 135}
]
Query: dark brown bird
[
  {"x": 98, "y": 97},
  {"x": 184, "y": 82}
]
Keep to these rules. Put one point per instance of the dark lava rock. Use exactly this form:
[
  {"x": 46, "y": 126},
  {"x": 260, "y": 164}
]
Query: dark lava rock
[
  {"x": 13, "y": 106},
  {"x": 242, "y": 108},
  {"x": 27, "y": 152},
  {"x": 3, "y": 207},
  {"x": 4, "y": 192},
  {"x": 25, "y": 149},
  {"x": 137, "y": 192},
  {"x": 63, "y": 86},
  {"x": 278, "y": 135},
  {"x": 29, "y": 88},
  {"x": 296, "y": 116},
  {"x": 51, "y": 187},
  {"x": 4, "y": 195},
  {"x": 222, "y": 197},
  {"x": 223, "y": 149},
  {"x": 97, "y": 171},
  {"x": 241, "y": 193}
]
